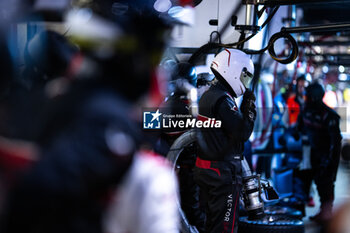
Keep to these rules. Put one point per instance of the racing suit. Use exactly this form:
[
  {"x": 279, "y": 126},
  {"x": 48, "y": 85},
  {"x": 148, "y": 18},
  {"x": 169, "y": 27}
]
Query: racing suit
[
  {"x": 175, "y": 104},
  {"x": 88, "y": 146},
  {"x": 189, "y": 190},
  {"x": 219, "y": 175},
  {"x": 321, "y": 125}
]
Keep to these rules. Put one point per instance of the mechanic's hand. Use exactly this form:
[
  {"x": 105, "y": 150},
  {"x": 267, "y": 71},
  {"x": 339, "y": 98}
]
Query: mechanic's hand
[{"x": 248, "y": 107}]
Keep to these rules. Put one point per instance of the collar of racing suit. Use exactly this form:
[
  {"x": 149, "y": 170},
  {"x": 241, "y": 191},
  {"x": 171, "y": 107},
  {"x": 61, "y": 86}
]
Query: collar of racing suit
[{"x": 223, "y": 87}]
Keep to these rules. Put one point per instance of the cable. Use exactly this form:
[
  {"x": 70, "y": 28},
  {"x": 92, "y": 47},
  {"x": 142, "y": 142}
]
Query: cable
[
  {"x": 270, "y": 47},
  {"x": 203, "y": 49},
  {"x": 261, "y": 27},
  {"x": 261, "y": 11},
  {"x": 218, "y": 37}
]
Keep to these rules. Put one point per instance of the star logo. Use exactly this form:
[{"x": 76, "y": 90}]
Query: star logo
[
  {"x": 151, "y": 120},
  {"x": 156, "y": 115}
]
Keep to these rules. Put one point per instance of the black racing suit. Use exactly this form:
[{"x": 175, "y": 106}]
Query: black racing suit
[
  {"x": 219, "y": 175},
  {"x": 176, "y": 104},
  {"x": 87, "y": 147},
  {"x": 189, "y": 190},
  {"x": 321, "y": 125}
]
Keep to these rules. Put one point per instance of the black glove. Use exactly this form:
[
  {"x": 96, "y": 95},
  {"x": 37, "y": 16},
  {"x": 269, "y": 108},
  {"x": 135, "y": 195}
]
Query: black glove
[{"x": 248, "y": 107}]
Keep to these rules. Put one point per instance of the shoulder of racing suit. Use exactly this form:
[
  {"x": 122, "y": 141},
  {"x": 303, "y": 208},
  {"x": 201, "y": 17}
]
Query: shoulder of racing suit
[{"x": 211, "y": 99}]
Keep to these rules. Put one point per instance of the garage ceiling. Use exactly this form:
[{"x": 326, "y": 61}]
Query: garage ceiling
[{"x": 326, "y": 13}]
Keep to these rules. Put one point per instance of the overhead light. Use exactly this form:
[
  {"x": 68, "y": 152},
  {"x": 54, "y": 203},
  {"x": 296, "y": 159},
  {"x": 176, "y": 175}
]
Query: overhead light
[
  {"x": 318, "y": 58},
  {"x": 318, "y": 49},
  {"x": 308, "y": 77},
  {"x": 162, "y": 5},
  {"x": 330, "y": 98},
  {"x": 291, "y": 66},
  {"x": 341, "y": 69},
  {"x": 267, "y": 77},
  {"x": 325, "y": 69},
  {"x": 343, "y": 77},
  {"x": 311, "y": 69},
  {"x": 312, "y": 39},
  {"x": 182, "y": 14},
  {"x": 301, "y": 67}
]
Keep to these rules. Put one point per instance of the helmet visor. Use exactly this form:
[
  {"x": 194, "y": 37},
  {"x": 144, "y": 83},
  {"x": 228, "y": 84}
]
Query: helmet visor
[{"x": 246, "y": 78}]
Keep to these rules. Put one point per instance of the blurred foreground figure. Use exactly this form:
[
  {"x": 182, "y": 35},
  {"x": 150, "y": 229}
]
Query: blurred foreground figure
[
  {"x": 48, "y": 58},
  {"x": 89, "y": 137},
  {"x": 321, "y": 125},
  {"x": 146, "y": 199},
  {"x": 219, "y": 175}
]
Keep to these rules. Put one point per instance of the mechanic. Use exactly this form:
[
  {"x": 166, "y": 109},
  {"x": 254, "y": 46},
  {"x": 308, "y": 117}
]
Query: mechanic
[
  {"x": 303, "y": 171},
  {"x": 321, "y": 125},
  {"x": 48, "y": 57},
  {"x": 302, "y": 83},
  {"x": 218, "y": 166},
  {"x": 177, "y": 102},
  {"x": 296, "y": 101}
]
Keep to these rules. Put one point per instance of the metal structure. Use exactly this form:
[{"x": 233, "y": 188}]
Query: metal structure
[{"x": 289, "y": 2}]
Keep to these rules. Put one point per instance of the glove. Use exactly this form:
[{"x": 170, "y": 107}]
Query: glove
[{"x": 248, "y": 107}]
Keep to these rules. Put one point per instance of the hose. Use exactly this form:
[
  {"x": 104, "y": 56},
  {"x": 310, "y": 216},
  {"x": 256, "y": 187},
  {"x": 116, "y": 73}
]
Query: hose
[
  {"x": 271, "y": 48},
  {"x": 294, "y": 51}
]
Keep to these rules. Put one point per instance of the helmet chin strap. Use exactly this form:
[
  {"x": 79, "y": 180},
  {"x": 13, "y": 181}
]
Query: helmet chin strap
[{"x": 242, "y": 91}]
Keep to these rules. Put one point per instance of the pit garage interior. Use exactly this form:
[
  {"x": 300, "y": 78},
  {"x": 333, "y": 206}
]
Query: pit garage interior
[{"x": 285, "y": 39}]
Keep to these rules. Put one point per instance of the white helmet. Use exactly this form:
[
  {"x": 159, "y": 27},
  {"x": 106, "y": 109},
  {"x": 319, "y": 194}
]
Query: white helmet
[{"x": 235, "y": 67}]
